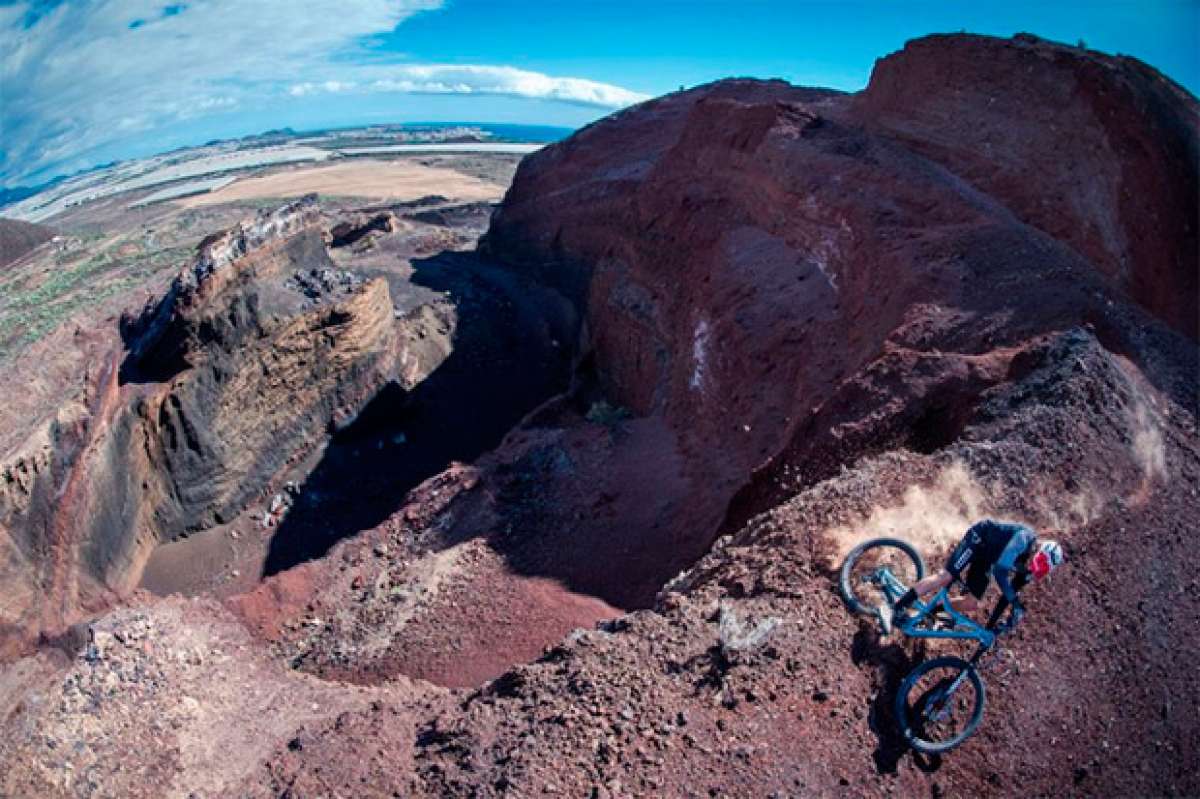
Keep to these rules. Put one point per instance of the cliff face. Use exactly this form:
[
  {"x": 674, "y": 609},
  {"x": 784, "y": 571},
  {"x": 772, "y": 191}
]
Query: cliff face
[
  {"x": 1100, "y": 152},
  {"x": 225, "y": 380},
  {"x": 263, "y": 371},
  {"x": 41, "y": 537},
  {"x": 173, "y": 331},
  {"x": 754, "y": 258}
]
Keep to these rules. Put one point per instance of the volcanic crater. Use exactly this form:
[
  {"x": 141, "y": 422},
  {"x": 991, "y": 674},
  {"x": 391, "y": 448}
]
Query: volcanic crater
[{"x": 704, "y": 346}]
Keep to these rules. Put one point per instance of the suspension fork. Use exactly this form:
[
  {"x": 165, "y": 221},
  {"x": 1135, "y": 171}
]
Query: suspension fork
[
  {"x": 943, "y": 698},
  {"x": 979, "y": 655}
]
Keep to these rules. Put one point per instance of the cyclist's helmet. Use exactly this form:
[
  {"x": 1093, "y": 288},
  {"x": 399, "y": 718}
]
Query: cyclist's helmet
[{"x": 1046, "y": 556}]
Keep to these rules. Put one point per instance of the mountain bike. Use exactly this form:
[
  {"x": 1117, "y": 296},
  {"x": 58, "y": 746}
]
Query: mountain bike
[{"x": 940, "y": 702}]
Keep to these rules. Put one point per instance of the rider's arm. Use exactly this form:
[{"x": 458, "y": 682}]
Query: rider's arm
[
  {"x": 1006, "y": 565},
  {"x": 1009, "y": 591},
  {"x": 1006, "y": 587},
  {"x": 994, "y": 619}
]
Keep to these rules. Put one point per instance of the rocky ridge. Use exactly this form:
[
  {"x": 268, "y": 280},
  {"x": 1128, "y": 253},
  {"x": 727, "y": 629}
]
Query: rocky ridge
[{"x": 18, "y": 238}]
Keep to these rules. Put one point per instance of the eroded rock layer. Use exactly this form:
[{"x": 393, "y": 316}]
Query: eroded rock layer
[{"x": 226, "y": 379}]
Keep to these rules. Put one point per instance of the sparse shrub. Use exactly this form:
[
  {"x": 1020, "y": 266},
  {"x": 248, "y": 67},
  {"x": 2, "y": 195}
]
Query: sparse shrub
[{"x": 608, "y": 415}]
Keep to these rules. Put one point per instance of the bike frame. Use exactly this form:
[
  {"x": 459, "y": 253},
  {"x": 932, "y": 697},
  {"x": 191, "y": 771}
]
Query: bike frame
[{"x": 963, "y": 628}]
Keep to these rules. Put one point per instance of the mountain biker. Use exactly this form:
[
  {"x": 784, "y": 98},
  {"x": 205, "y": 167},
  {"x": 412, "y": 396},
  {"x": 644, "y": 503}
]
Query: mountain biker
[{"x": 1009, "y": 552}]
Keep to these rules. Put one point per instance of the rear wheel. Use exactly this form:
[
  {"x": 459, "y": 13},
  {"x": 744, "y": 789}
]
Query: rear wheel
[
  {"x": 940, "y": 704},
  {"x": 859, "y": 589}
]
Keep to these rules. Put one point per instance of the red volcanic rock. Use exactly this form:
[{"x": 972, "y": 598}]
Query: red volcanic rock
[
  {"x": 744, "y": 248},
  {"x": 808, "y": 318},
  {"x": 773, "y": 292},
  {"x": 832, "y": 334},
  {"x": 1099, "y": 151}
]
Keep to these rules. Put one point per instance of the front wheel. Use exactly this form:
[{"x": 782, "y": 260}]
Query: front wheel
[
  {"x": 940, "y": 704},
  {"x": 859, "y": 587}
]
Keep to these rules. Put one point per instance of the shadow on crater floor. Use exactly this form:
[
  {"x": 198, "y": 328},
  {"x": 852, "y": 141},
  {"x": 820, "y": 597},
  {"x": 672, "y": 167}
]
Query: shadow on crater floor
[{"x": 507, "y": 358}]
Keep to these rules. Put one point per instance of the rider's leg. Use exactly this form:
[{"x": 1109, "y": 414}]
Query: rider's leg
[
  {"x": 965, "y": 603},
  {"x": 963, "y": 554},
  {"x": 924, "y": 587},
  {"x": 975, "y": 585},
  {"x": 931, "y": 584}
]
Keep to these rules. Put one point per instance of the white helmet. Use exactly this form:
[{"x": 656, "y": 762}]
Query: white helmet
[{"x": 1047, "y": 556}]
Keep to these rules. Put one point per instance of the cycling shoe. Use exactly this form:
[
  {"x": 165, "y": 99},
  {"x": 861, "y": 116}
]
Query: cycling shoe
[{"x": 886, "y": 616}]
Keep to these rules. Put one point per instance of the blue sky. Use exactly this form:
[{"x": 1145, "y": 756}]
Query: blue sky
[{"x": 87, "y": 81}]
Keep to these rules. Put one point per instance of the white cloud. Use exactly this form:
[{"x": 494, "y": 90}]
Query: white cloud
[
  {"x": 331, "y": 86},
  {"x": 475, "y": 79},
  {"x": 79, "y": 76}
]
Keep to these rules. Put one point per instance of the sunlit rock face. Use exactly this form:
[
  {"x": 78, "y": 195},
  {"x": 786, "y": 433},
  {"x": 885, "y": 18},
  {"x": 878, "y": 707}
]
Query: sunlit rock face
[
  {"x": 743, "y": 249},
  {"x": 227, "y": 378}
]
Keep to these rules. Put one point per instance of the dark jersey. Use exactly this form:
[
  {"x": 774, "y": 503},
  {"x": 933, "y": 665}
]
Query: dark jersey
[{"x": 992, "y": 549}]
